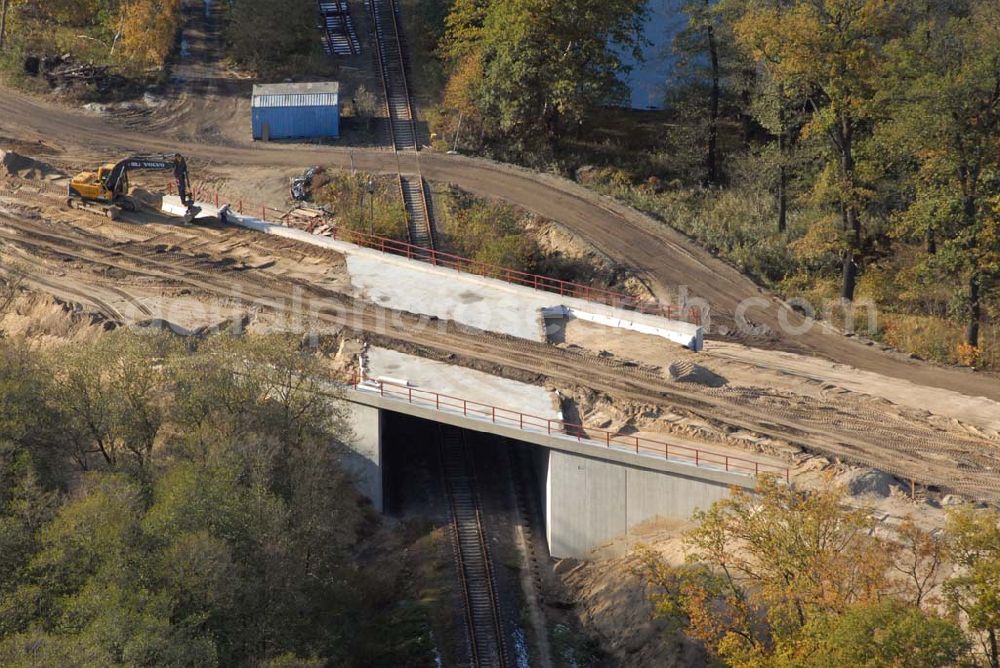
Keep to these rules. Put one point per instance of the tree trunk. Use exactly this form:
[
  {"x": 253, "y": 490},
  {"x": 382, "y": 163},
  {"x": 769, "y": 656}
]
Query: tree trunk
[
  {"x": 994, "y": 649},
  {"x": 975, "y": 312},
  {"x": 3, "y": 23},
  {"x": 783, "y": 144},
  {"x": 782, "y": 199},
  {"x": 782, "y": 183},
  {"x": 852, "y": 221},
  {"x": 931, "y": 242},
  {"x": 746, "y": 97},
  {"x": 711, "y": 161}
]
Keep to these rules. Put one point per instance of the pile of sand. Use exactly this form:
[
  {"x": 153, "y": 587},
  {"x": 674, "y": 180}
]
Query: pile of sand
[
  {"x": 23, "y": 167},
  {"x": 148, "y": 198},
  {"x": 612, "y": 601},
  {"x": 686, "y": 371}
]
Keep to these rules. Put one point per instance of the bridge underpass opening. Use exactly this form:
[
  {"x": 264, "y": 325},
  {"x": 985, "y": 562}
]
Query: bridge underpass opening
[
  {"x": 412, "y": 465},
  {"x": 587, "y": 499},
  {"x": 473, "y": 487}
]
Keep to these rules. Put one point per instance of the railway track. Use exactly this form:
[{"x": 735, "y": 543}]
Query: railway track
[
  {"x": 390, "y": 60},
  {"x": 853, "y": 431},
  {"x": 472, "y": 555},
  {"x": 339, "y": 37}
]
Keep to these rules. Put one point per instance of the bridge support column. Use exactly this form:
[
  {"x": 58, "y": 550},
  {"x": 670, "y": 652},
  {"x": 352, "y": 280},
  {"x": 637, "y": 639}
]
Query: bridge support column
[
  {"x": 591, "y": 504},
  {"x": 365, "y": 460}
]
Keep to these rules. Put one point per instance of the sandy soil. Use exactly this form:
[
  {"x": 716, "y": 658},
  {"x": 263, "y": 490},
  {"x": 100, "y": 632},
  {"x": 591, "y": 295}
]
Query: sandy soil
[
  {"x": 723, "y": 363},
  {"x": 612, "y": 601}
]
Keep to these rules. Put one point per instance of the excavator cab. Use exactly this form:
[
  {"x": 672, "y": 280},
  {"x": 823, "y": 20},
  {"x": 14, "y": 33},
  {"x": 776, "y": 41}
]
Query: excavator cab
[{"x": 91, "y": 185}]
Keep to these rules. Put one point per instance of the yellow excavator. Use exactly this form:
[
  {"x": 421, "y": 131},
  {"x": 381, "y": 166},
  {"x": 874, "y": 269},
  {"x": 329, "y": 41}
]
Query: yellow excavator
[{"x": 106, "y": 191}]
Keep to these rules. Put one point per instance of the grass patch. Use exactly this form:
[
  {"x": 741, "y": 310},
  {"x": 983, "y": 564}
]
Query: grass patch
[
  {"x": 485, "y": 231},
  {"x": 570, "y": 648},
  {"x": 938, "y": 339},
  {"x": 738, "y": 224},
  {"x": 382, "y": 213},
  {"x": 434, "y": 580},
  {"x": 501, "y": 235}
]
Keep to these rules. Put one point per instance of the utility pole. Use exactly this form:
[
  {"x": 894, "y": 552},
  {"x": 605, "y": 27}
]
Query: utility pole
[
  {"x": 371, "y": 206},
  {"x": 3, "y": 23}
]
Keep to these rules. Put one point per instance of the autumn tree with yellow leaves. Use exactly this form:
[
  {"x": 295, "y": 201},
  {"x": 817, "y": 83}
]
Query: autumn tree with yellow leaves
[
  {"x": 782, "y": 577},
  {"x": 148, "y": 31},
  {"x": 134, "y": 35}
]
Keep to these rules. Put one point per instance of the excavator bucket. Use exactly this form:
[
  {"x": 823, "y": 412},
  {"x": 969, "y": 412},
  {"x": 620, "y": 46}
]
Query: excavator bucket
[{"x": 191, "y": 213}]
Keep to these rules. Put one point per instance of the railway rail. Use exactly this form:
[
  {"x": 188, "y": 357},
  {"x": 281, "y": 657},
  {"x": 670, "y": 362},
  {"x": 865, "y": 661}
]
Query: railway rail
[
  {"x": 472, "y": 555},
  {"x": 856, "y": 431},
  {"x": 390, "y": 61},
  {"x": 338, "y": 35}
]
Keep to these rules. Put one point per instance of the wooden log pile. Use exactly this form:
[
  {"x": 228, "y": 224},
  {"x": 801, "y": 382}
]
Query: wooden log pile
[{"x": 66, "y": 72}]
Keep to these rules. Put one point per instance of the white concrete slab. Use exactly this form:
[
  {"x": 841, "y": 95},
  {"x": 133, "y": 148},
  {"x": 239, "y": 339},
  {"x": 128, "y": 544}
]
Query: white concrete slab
[
  {"x": 484, "y": 303},
  {"x": 432, "y": 376},
  {"x": 449, "y": 295}
]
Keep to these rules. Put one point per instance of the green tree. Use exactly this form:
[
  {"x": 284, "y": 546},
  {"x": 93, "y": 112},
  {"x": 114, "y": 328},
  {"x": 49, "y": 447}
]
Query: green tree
[
  {"x": 112, "y": 395},
  {"x": 974, "y": 546},
  {"x": 768, "y": 565},
  {"x": 783, "y": 578},
  {"x": 830, "y": 53},
  {"x": 712, "y": 67},
  {"x": 946, "y": 77},
  {"x": 875, "y": 635},
  {"x": 540, "y": 65},
  {"x": 773, "y": 105}
]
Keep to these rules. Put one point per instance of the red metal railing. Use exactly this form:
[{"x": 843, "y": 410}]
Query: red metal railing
[
  {"x": 466, "y": 265},
  {"x": 584, "y": 435}
]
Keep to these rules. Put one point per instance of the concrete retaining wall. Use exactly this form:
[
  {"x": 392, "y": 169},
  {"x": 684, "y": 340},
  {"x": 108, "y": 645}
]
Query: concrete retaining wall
[
  {"x": 365, "y": 460},
  {"x": 686, "y": 334},
  {"x": 448, "y": 294},
  {"x": 590, "y": 504}
]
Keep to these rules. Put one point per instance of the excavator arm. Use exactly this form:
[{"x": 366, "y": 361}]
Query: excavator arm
[{"x": 117, "y": 179}]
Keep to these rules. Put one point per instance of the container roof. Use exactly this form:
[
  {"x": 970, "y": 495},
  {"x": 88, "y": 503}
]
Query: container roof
[{"x": 316, "y": 94}]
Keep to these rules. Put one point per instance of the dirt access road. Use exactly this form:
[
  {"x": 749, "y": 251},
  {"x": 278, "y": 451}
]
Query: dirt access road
[{"x": 664, "y": 257}]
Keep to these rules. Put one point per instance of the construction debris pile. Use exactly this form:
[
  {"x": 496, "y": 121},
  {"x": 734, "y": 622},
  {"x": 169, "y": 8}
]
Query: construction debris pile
[
  {"x": 300, "y": 188},
  {"x": 65, "y": 72},
  {"x": 312, "y": 220}
]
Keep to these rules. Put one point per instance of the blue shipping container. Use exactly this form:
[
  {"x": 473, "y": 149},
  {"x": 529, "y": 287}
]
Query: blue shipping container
[{"x": 295, "y": 111}]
